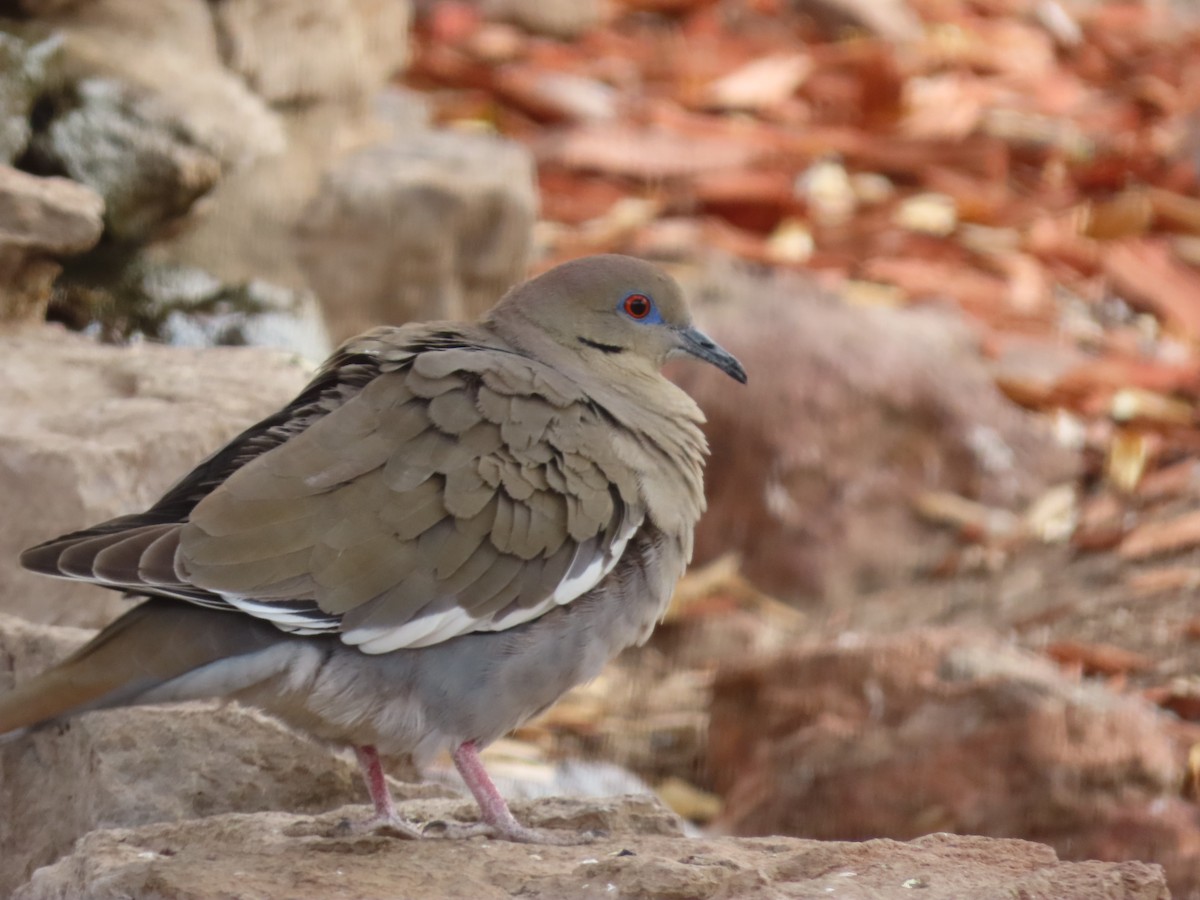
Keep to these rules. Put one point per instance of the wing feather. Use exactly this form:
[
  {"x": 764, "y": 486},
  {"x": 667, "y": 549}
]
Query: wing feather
[{"x": 426, "y": 485}]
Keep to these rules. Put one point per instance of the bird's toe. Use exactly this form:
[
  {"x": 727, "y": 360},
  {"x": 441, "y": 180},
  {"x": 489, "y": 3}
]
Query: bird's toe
[{"x": 392, "y": 826}]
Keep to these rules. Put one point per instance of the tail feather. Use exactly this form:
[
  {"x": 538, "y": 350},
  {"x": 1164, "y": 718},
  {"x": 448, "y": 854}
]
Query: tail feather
[
  {"x": 149, "y": 646},
  {"x": 113, "y": 557}
]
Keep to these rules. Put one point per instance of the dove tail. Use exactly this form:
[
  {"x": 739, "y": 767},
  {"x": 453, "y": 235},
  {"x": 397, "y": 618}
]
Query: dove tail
[{"x": 146, "y": 648}]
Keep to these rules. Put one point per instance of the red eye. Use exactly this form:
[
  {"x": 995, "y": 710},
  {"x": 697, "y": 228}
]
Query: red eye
[{"x": 637, "y": 306}]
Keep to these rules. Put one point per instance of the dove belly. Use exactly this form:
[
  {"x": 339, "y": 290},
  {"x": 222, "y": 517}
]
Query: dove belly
[{"x": 474, "y": 687}]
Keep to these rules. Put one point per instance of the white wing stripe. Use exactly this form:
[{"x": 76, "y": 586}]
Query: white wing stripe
[{"x": 588, "y": 568}]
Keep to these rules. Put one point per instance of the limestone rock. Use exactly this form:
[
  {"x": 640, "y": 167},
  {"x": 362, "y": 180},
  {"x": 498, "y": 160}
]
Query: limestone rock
[
  {"x": 849, "y": 416},
  {"x": 188, "y": 307},
  {"x": 168, "y": 49},
  {"x": 426, "y": 226},
  {"x": 154, "y": 764},
  {"x": 206, "y": 313},
  {"x": 94, "y": 431},
  {"x": 947, "y": 730},
  {"x": 248, "y": 227},
  {"x": 269, "y": 114},
  {"x": 267, "y": 856},
  {"x": 53, "y": 215},
  {"x": 298, "y": 51},
  {"x": 130, "y": 150},
  {"x": 41, "y": 219},
  {"x": 23, "y": 72}
]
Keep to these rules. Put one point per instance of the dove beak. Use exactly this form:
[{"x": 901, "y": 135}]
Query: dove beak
[{"x": 698, "y": 344}]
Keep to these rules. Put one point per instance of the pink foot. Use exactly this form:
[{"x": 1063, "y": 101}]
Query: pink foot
[
  {"x": 497, "y": 819},
  {"x": 386, "y": 817}
]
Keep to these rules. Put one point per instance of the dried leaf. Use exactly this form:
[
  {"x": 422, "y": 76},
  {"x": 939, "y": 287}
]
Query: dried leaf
[
  {"x": 1168, "y": 580},
  {"x": 762, "y": 83},
  {"x": 1130, "y": 404},
  {"x": 1145, "y": 271},
  {"x": 1179, "y": 480},
  {"x": 556, "y": 96},
  {"x": 1052, "y": 517},
  {"x": 623, "y": 149},
  {"x": 689, "y": 801},
  {"x": 1152, "y": 539},
  {"x": 933, "y": 214},
  {"x": 871, "y": 293},
  {"x": 791, "y": 242},
  {"x": 1128, "y": 214},
  {"x": 1127, "y": 454},
  {"x": 827, "y": 188},
  {"x": 944, "y": 508},
  {"x": 1098, "y": 659},
  {"x": 1175, "y": 209}
]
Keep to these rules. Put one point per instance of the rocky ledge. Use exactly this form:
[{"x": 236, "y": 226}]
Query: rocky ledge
[{"x": 264, "y": 856}]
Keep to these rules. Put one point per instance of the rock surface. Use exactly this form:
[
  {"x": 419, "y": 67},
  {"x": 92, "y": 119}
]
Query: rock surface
[
  {"x": 269, "y": 111},
  {"x": 41, "y": 220},
  {"x": 94, "y": 431},
  {"x": 267, "y": 856},
  {"x": 849, "y": 417},
  {"x": 130, "y": 767},
  {"x": 302, "y": 51},
  {"x": 168, "y": 49},
  {"x": 948, "y": 730},
  {"x": 24, "y": 68},
  {"x": 434, "y": 225},
  {"x": 131, "y": 150}
]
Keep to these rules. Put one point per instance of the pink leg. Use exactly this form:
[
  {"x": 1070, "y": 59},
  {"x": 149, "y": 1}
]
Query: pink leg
[
  {"x": 492, "y": 806},
  {"x": 386, "y": 815},
  {"x": 498, "y": 820}
]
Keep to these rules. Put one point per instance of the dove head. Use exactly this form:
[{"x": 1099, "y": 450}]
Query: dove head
[{"x": 611, "y": 309}]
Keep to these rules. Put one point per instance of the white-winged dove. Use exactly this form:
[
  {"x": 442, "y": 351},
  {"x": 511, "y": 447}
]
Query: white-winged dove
[{"x": 451, "y": 526}]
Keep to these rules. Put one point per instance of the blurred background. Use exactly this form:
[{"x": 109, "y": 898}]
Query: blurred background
[{"x": 948, "y": 576}]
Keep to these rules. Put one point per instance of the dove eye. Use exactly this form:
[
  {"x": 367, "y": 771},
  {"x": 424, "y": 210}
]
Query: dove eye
[{"x": 637, "y": 306}]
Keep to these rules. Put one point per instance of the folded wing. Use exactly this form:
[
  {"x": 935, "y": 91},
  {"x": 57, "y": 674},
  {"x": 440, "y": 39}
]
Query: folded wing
[{"x": 415, "y": 492}]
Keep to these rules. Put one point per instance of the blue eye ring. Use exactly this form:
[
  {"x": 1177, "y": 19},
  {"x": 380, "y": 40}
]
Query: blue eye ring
[{"x": 640, "y": 307}]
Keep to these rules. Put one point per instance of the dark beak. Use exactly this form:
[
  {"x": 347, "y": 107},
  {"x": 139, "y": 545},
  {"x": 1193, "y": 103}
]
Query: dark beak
[{"x": 698, "y": 344}]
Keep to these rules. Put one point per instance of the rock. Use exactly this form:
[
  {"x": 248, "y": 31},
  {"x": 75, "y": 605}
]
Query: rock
[
  {"x": 426, "y": 226},
  {"x": 565, "y": 19},
  {"x": 41, "y": 219},
  {"x": 276, "y": 856},
  {"x": 188, "y": 307},
  {"x": 94, "y": 431},
  {"x": 168, "y": 49},
  {"x": 299, "y": 51},
  {"x": 947, "y": 730},
  {"x": 155, "y": 764},
  {"x": 248, "y": 230},
  {"x": 129, "y": 149},
  {"x": 847, "y": 418},
  {"x": 203, "y": 312},
  {"x": 53, "y": 215},
  {"x": 269, "y": 108},
  {"x": 23, "y": 73}
]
